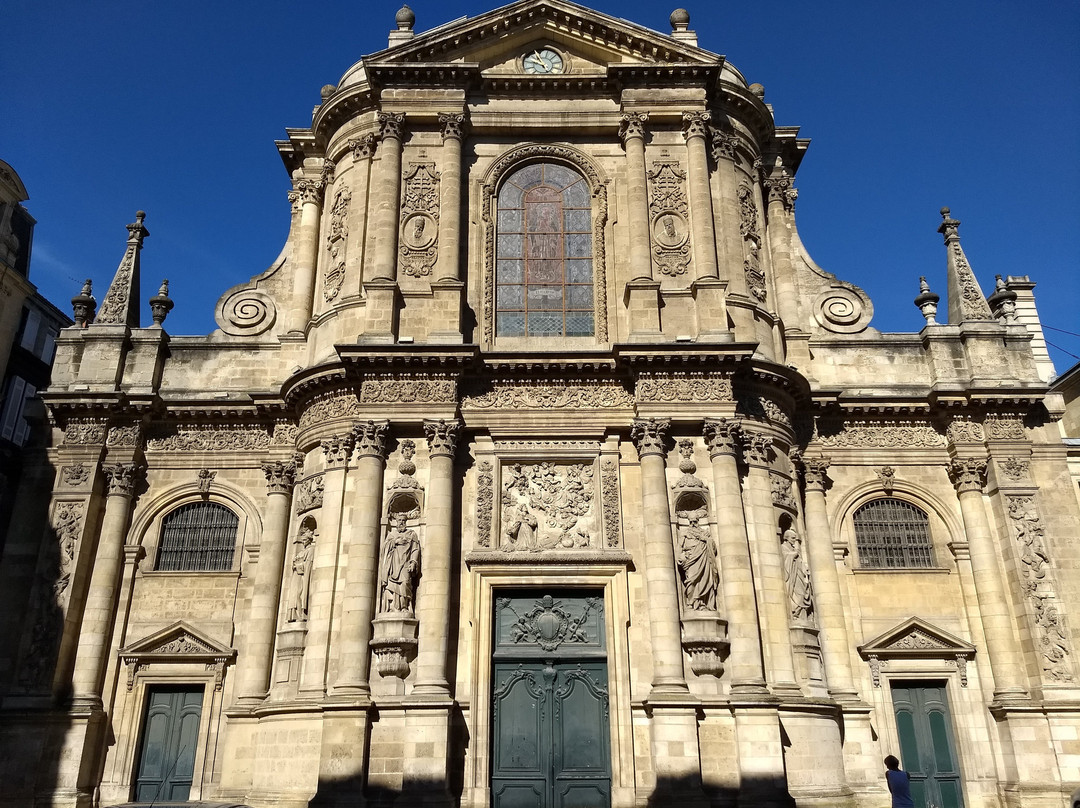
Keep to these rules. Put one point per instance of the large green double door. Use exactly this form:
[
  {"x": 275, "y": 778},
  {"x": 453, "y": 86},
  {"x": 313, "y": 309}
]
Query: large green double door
[
  {"x": 926, "y": 743},
  {"x": 550, "y": 742}
]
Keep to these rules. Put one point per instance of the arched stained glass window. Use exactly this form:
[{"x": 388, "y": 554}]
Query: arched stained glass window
[
  {"x": 544, "y": 254},
  {"x": 892, "y": 533},
  {"x": 198, "y": 537}
]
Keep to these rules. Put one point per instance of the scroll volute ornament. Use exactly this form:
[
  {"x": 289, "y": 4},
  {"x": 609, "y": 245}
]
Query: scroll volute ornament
[
  {"x": 442, "y": 436},
  {"x": 451, "y": 125},
  {"x": 968, "y": 474},
  {"x": 815, "y": 473},
  {"x": 370, "y": 438},
  {"x": 279, "y": 477},
  {"x": 632, "y": 124},
  {"x": 723, "y": 436},
  {"x": 648, "y": 436}
]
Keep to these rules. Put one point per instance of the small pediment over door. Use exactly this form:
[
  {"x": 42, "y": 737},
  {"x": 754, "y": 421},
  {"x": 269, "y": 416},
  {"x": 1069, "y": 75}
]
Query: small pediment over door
[
  {"x": 177, "y": 644},
  {"x": 915, "y": 638}
]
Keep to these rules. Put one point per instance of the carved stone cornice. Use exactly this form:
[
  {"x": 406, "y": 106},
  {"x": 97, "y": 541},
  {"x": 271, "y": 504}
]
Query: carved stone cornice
[
  {"x": 279, "y": 477},
  {"x": 122, "y": 478},
  {"x": 814, "y": 473},
  {"x": 648, "y": 435},
  {"x": 452, "y": 125},
  {"x": 696, "y": 124},
  {"x": 338, "y": 449},
  {"x": 756, "y": 448},
  {"x": 363, "y": 147},
  {"x": 968, "y": 474},
  {"x": 632, "y": 124},
  {"x": 371, "y": 438},
  {"x": 391, "y": 124},
  {"x": 442, "y": 437},
  {"x": 723, "y": 436}
]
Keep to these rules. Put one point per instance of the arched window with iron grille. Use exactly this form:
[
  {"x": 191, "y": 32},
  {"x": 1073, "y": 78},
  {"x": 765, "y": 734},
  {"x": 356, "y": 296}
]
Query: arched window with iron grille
[
  {"x": 198, "y": 537},
  {"x": 893, "y": 533}
]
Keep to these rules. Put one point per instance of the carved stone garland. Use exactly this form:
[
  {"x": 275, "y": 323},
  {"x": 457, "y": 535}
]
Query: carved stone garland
[
  {"x": 420, "y": 220},
  {"x": 751, "y": 233},
  {"x": 579, "y": 162},
  {"x": 485, "y": 502},
  {"x": 668, "y": 209},
  {"x": 1038, "y": 586},
  {"x": 609, "y": 497},
  {"x": 336, "y": 244}
]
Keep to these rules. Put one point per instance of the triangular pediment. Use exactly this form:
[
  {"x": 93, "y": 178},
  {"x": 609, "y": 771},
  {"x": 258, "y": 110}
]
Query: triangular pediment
[
  {"x": 178, "y": 640},
  {"x": 592, "y": 41},
  {"x": 916, "y": 638}
]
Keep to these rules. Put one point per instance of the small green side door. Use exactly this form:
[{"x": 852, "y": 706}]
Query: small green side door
[
  {"x": 550, "y": 742},
  {"x": 927, "y": 746},
  {"x": 169, "y": 736}
]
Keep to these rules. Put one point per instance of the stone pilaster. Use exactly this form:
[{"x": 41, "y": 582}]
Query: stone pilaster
[
  {"x": 254, "y": 664},
  {"x": 381, "y": 275},
  {"x": 338, "y": 452},
  {"x": 361, "y": 572},
  {"x": 710, "y": 293},
  {"x": 969, "y": 476},
  {"x": 100, "y": 611},
  {"x": 306, "y": 251},
  {"x": 781, "y": 206},
  {"x": 362, "y": 150},
  {"x": 642, "y": 292},
  {"x": 447, "y": 288}
]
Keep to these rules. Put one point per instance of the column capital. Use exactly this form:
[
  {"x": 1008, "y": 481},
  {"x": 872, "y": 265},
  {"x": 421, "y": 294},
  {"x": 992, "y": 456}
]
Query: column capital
[
  {"x": 309, "y": 191},
  {"x": 363, "y": 147},
  {"x": 122, "y": 478},
  {"x": 723, "y": 144},
  {"x": 279, "y": 477},
  {"x": 968, "y": 474},
  {"x": 813, "y": 469},
  {"x": 632, "y": 124},
  {"x": 648, "y": 435},
  {"x": 452, "y": 125},
  {"x": 756, "y": 448},
  {"x": 696, "y": 124},
  {"x": 723, "y": 436},
  {"x": 371, "y": 438},
  {"x": 781, "y": 189},
  {"x": 338, "y": 449},
  {"x": 442, "y": 436},
  {"x": 391, "y": 124}
]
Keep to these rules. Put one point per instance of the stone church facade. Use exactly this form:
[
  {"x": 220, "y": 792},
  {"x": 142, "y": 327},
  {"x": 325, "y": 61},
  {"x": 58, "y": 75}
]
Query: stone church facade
[{"x": 545, "y": 468}]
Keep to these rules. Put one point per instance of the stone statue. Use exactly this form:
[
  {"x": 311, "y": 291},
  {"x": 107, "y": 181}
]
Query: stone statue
[
  {"x": 697, "y": 564},
  {"x": 522, "y": 530},
  {"x": 296, "y": 600},
  {"x": 797, "y": 577},
  {"x": 401, "y": 566}
]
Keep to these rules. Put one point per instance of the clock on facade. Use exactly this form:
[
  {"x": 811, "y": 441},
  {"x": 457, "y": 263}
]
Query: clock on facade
[{"x": 543, "y": 60}]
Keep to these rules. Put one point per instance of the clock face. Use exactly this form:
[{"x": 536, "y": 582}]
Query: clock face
[{"x": 543, "y": 60}]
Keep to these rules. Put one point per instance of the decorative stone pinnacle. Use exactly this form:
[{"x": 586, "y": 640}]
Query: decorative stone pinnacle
[
  {"x": 121, "y": 306},
  {"x": 405, "y": 18},
  {"x": 927, "y": 302},
  {"x": 161, "y": 304},
  {"x": 632, "y": 124},
  {"x": 648, "y": 435},
  {"x": 83, "y": 305},
  {"x": 949, "y": 227},
  {"x": 1003, "y": 301},
  {"x": 686, "y": 449},
  {"x": 966, "y": 300}
]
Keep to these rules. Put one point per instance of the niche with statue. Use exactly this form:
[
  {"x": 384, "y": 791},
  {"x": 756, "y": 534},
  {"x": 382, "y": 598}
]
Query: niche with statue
[{"x": 800, "y": 596}]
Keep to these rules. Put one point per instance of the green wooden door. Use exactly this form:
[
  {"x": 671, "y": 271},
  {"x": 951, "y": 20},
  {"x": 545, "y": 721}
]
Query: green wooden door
[
  {"x": 550, "y": 742},
  {"x": 927, "y": 746},
  {"x": 169, "y": 737}
]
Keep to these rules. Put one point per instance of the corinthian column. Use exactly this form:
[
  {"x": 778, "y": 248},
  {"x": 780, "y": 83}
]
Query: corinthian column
[
  {"x": 310, "y": 193},
  {"x": 736, "y": 570},
  {"x": 387, "y": 210},
  {"x": 781, "y": 205},
  {"x": 99, "y": 615},
  {"x": 660, "y": 582},
  {"x": 338, "y": 451},
  {"x": 433, "y": 601},
  {"x": 254, "y": 665},
  {"x": 1006, "y": 665},
  {"x": 446, "y": 268},
  {"x": 358, "y": 605},
  {"x": 761, "y": 527},
  {"x": 827, "y": 601},
  {"x": 696, "y": 126},
  {"x": 637, "y": 193}
]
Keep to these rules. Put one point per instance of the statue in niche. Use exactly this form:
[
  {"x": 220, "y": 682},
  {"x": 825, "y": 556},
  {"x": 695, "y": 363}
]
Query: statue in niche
[
  {"x": 697, "y": 562},
  {"x": 797, "y": 576},
  {"x": 296, "y": 599},
  {"x": 401, "y": 566},
  {"x": 522, "y": 530}
]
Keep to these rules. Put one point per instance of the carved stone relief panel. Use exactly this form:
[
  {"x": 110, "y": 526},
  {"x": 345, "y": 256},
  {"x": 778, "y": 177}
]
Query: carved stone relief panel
[
  {"x": 84, "y": 433},
  {"x": 547, "y": 506},
  {"x": 408, "y": 389},
  {"x": 336, "y": 244},
  {"x": 668, "y": 209},
  {"x": 420, "y": 220},
  {"x": 309, "y": 494},
  {"x": 545, "y": 395},
  {"x": 337, "y": 405},
  {"x": 751, "y": 234},
  {"x": 215, "y": 438},
  {"x": 671, "y": 387},
  {"x": 914, "y": 434}
]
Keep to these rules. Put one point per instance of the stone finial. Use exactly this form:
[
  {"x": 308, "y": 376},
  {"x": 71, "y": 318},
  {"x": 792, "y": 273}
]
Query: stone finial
[
  {"x": 680, "y": 27},
  {"x": 1003, "y": 301},
  {"x": 404, "y": 19},
  {"x": 121, "y": 306},
  {"x": 161, "y": 304},
  {"x": 327, "y": 91},
  {"x": 758, "y": 90},
  {"x": 966, "y": 300},
  {"x": 927, "y": 302},
  {"x": 83, "y": 305}
]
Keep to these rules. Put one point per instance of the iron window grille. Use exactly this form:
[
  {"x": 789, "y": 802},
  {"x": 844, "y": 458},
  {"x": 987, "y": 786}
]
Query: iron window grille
[
  {"x": 892, "y": 533},
  {"x": 198, "y": 537}
]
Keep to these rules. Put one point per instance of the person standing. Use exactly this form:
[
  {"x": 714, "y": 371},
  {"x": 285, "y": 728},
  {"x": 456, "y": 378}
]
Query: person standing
[{"x": 899, "y": 784}]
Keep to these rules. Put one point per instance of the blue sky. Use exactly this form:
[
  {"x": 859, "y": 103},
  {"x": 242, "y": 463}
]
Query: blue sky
[{"x": 172, "y": 107}]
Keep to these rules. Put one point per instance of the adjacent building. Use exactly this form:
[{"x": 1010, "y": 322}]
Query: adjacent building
[{"x": 544, "y": 467}]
